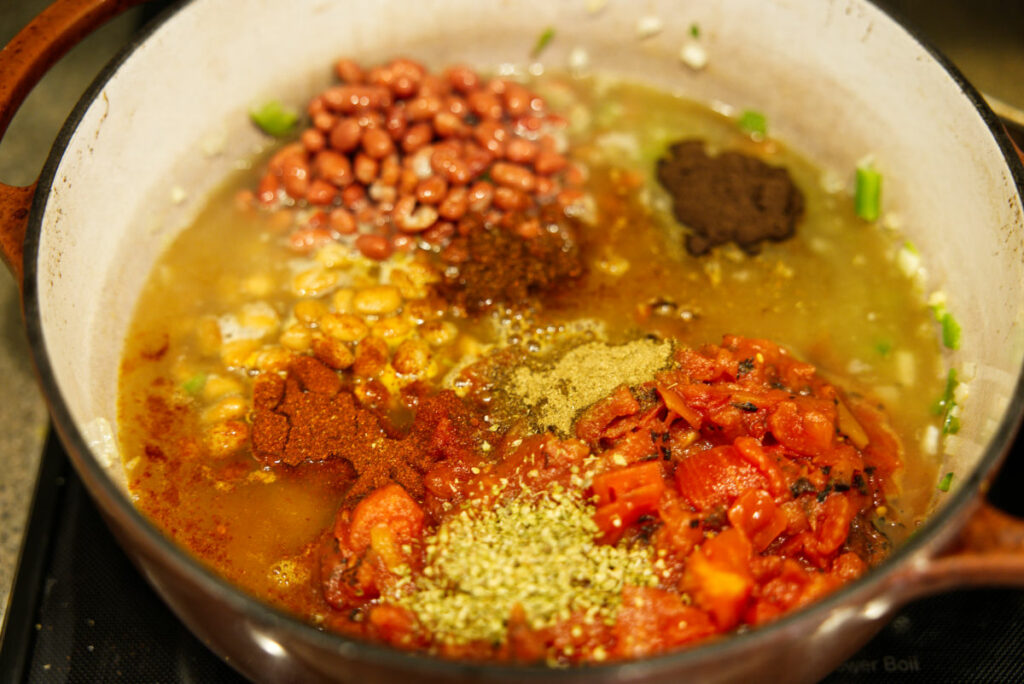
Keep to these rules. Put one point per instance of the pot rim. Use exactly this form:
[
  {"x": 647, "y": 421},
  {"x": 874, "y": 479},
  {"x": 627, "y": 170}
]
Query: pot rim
[{"x": 114, "y": 503}]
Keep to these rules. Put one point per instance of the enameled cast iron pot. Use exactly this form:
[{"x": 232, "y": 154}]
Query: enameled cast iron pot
[{"x": 838, "y": 79}]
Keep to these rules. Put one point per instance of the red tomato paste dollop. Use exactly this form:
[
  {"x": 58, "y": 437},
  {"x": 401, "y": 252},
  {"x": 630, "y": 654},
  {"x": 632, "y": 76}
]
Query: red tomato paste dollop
[{"x": 735, "y": 486}]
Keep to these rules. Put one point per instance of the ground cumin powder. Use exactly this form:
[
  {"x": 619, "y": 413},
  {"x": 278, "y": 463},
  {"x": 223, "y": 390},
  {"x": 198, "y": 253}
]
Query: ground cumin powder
[{"x": 553, "y": 392}]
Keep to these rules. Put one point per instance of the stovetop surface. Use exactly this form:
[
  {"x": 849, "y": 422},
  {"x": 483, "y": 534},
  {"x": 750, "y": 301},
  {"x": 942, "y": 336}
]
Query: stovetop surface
[{"x": 82, "y": 613}]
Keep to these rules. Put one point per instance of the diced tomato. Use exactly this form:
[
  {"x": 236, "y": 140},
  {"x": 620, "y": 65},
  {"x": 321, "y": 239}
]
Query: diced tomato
[
  {"x": 681, "y": 529},
  {"x": 756, "y": 515},
  {"x": 385, "y": 545},
  {"x": 626, "y": 494},
  {"x": 634, "y": 447},
  {"x": 884, "y": 451},
  {"x": 393, "y": 625},
  {"x": 715, "y": 477},
  {"x": 796, "y": 517},
  {"x": 524, "y": 643},
  {"x": 650, "y": 421},
  {"x": 803, "y": 425},
  {"x": 833, "y": 527},
  {"x": 841, "y": 461},
  {"x": 390, "y": 506},
  {"x": 695, "y": 365},
  {"x": 759, "y": 457},
  {"x": 578, "y": 636},
  {"x": 524, "y": 457},
  {"x": 618, "y": 484},
  {"x": 538, "y": 462},
  {"x": 789, "y": 587},
  {"x": 718, "y": 577},
  {"x": 342, "y": 523},
  {"x": 796, "y": 374},
  {"x": 442, "y": 479},
  {"x": 848, "y": 566},
  {"x": 336, "y": 574},
  {"x": 710, "y": 364},
  {"x": 677, "y": 404},
  {"x": 594, "y": 420},
  {"x": 564, "y": 453},
  {"x": 653, "y": 620}
]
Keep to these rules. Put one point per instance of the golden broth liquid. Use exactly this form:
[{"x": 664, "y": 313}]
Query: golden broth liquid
[{"x": 833, "y": 295}]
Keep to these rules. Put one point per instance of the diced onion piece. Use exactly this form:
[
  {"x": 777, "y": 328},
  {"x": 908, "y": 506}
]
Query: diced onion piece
[
  {"x": 908, "y": 260},
  {"x": 648, "y": 26},
  {"x": 579, "y": 60},
  {"x": 930, "y": 440},
  {"x": 906, "y": 367},
  {"x": 694, "y": 55}
]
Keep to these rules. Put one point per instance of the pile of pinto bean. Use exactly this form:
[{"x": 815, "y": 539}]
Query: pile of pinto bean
[{"x": 399, "y": 158}]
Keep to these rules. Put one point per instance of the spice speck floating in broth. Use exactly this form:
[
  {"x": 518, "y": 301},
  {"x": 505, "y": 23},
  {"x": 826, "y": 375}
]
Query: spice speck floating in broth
[{"x": 561, "y": 370}]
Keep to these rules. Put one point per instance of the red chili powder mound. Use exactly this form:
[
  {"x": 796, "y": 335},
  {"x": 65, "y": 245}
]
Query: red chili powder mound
[{"x": 307, "y": 416}]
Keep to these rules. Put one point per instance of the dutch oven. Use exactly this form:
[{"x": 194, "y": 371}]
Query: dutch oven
[{"x": 837, "y": 78}]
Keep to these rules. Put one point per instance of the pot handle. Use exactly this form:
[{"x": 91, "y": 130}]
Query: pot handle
[
  {"x": 23, "y": 62},
  {"x": 989, "y": 551}
]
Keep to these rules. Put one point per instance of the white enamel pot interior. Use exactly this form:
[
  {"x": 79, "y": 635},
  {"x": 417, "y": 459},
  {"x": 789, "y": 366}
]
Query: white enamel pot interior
[{"x": 837, "y": 79}]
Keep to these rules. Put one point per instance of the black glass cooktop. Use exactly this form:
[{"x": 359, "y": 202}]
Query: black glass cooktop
[{"x": 80, "y": 611}]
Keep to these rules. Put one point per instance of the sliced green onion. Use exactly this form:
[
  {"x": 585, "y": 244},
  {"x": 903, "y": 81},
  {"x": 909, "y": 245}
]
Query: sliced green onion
[
  {"x": 195, "y": 384},
  {"x": 945, "y": 402},
  {"x": 950, "y": 331},
  {"x": 543, "y": 40},
  {"x": 695, "y": 30},
  {"x": 883, "y": 347},
  {"x": 945, "y": 482},
  {"x": 274, "y": 118},
  {"x": 868, "y": 196},
  {"x": 753, "y": 122},
  {"x": 951, "y": 425}
]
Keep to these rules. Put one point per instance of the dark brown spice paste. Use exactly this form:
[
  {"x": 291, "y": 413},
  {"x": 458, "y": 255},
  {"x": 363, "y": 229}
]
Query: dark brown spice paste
[{"x": 729, "y": 197}]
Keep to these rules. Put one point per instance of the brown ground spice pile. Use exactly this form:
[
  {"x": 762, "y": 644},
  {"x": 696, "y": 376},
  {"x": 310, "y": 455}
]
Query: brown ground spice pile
[
  {"x": 497, "y": 266},
  {"x": 307, "y": 416},
  {"x": 729, "y": 197},
  {"x": 554, "y": 393}
]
